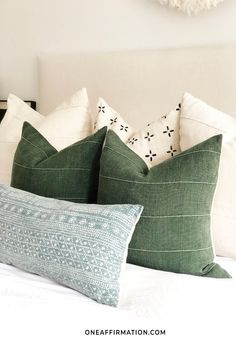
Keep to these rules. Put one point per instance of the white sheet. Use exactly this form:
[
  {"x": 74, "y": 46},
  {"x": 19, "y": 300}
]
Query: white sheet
[{"x": 39, "y": 316}]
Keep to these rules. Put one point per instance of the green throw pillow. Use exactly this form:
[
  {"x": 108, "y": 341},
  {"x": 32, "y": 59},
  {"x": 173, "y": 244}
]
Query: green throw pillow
[
  {"x": 173, "y": 233},
  {"x": 70, "y": 174}
]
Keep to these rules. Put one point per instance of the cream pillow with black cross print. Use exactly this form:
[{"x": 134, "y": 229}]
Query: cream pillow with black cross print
[{"x": 156, "y": 142}]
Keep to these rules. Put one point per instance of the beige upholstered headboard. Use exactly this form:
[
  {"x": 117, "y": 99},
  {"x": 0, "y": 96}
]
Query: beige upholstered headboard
[{"x": 141, "y": 85}]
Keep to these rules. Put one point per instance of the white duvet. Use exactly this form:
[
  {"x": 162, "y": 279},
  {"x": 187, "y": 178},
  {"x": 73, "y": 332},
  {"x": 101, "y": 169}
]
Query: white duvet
[{"x": 39, "y": 316}]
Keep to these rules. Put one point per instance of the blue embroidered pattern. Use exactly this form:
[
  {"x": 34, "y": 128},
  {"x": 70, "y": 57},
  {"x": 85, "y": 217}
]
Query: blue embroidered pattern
[{"x": 78, "y": 245}]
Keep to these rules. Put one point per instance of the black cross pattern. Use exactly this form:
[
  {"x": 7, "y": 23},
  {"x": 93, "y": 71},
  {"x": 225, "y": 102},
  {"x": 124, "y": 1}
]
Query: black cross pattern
[
  {"x": 123, "y": 127},
  {"x": 133, "y": 140},
  {"x": 113, "y": 121},
  {"x": 150, "y": 155},
  {"x": 148, "y": 137},
  {"x": 101, "y": 109},
  {"x": 168, "y": 131},
  {"x": 171, "y": 151},
  {"x": 179, "y": 107}
]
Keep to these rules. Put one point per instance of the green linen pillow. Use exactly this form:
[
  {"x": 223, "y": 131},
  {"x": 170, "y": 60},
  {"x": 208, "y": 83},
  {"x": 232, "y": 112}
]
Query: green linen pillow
[
  {"x": 173, "y": 233},
  {"x": 78, "y": 245},
  {"x": 70, "y": 174}
]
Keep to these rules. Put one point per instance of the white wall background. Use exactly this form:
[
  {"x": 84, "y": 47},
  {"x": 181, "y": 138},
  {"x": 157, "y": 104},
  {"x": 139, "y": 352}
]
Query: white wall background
[{"x": 32, "y": 27}]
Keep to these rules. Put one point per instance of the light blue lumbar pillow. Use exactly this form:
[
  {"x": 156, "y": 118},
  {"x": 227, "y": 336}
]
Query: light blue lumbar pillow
[{"x": 78, "y": 245}]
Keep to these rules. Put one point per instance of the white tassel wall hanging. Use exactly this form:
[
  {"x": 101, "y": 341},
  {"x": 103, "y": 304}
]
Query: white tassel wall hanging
[{"x": 191, "y": 6}]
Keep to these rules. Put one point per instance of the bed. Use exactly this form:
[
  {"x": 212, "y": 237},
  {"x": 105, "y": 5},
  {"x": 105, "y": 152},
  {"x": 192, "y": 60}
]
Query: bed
[
  {"x": 192, "y": 311},
  {"x": 191, "y": 314}
]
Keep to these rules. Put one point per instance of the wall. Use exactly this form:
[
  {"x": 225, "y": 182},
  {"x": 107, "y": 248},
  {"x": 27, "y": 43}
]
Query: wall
[{"x": 32, "y": 27}]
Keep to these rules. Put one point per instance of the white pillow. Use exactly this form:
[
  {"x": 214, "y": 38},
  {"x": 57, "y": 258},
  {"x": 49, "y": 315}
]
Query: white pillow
[
  {"x": 198, "y": 122},
  {"x": 156, "y": 142},
  {"x": 68, "y": 123}
]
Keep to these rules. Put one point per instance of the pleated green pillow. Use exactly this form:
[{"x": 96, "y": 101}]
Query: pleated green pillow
[
  {"x": 174, "y": 231},
  {"x": 70, "y": 174}
]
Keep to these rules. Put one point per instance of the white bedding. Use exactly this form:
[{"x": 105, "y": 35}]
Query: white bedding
[{"x": 44, "y": 316}]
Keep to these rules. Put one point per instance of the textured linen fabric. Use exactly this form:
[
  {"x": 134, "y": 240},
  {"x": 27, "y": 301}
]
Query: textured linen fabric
[
  {"x": 78, "y": 245},
  {"x": 10, "y": 133},
  {"x": 198, "y": 122},
  {"x": 69, "y": 122},
  {"x": 173, "y": 233},
  {"x": 156, "y": 142},
  {"x": 70, "y": 174}
]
